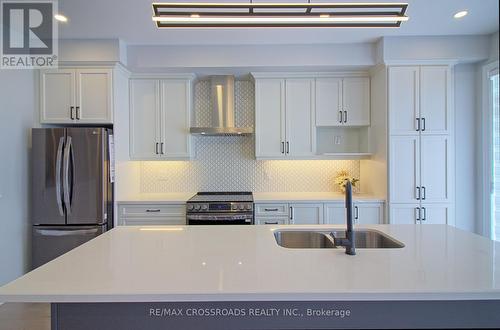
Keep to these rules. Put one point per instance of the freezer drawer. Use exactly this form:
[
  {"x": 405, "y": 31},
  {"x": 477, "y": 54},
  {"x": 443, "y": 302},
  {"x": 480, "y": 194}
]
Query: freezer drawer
[{"x": 49, "y": 242}]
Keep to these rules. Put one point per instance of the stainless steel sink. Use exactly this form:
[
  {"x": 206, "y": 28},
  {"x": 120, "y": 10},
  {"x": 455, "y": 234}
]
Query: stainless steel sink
[{"x": 310, "y": 239}]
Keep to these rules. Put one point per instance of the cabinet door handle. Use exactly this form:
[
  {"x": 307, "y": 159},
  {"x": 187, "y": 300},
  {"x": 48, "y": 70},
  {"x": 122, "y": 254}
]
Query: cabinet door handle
[
  {"x": 282, "y": 147},
  {"x": 356, "y": 213},
  {"x": 418, "y": 124},
  {"x": 345, "y": 117},
  {"x": 77, "y": 113},
  {"x": 156, "y": 148},
  {"x": 423, "y": 124},
  {"x": 161, "y": 148},
  {"x": 417, "y": 193},
  {"x": 153, "y": 210},
  {"x": 423, "y": 193},
  {"x": 291, "y": 212},
  {"x": 287, "y": 147},
  {"x": 271, "y": 223},
  {"x": 425, "y": 214},
  {"x": 417, "y": 213},
  {"x": 271, "y": 210},
  {"x": 71, "y": 109},
  {"x": 340, "y": 117}
]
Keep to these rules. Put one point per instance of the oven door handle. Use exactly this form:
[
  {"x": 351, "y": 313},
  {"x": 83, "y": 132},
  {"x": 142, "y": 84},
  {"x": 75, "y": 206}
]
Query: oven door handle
[{"x": 219, "y": 217}]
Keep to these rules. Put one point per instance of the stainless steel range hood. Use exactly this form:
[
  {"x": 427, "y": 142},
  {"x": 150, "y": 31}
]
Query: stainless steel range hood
[{"x": 222, "y": 112}]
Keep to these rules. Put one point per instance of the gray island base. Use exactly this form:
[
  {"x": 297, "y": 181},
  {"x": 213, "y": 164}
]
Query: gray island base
[{"x": 277, "y": 315}]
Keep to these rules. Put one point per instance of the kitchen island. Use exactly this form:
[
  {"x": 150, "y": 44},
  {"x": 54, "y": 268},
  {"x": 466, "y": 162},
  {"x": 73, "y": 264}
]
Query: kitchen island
[{"x": 232, "y": 277}]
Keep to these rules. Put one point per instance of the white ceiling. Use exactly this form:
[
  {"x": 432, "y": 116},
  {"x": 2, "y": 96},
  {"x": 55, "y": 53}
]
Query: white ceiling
[{"x": 130, "y": 20}]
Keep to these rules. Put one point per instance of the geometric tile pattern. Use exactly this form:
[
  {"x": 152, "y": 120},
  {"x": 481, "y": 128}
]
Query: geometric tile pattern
[{"x": 228, "y": 162}]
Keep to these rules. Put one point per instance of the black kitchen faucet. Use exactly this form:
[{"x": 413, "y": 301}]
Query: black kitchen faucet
[{"x": 348, "y": 241}]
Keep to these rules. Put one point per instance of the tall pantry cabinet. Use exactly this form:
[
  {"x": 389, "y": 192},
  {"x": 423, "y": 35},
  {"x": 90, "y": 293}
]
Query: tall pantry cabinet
[{"x": 421, "y": 144}]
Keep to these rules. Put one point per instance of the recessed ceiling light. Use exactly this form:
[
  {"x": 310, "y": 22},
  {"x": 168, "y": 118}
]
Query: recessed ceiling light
[
  {"x": 61, "y": 18},
  {"x": 461, "y": 14}
]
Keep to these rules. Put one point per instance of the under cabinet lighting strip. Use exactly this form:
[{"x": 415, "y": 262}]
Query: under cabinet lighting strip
[{"x": 279, "y": 14}]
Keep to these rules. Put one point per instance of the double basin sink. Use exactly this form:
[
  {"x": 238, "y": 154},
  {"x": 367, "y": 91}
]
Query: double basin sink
[{"x": 309, "y": 239}]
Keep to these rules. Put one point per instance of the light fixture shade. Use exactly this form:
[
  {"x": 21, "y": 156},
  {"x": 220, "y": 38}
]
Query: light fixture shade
[{"x": 230, "y": 15}]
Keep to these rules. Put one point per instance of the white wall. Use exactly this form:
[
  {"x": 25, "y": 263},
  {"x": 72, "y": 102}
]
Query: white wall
[
  {"x": 463, "y": 49},
  {"x": 251, "y": 57},
  {"x": 17, "y": 116},
  {"x": 467, "y": 117}
]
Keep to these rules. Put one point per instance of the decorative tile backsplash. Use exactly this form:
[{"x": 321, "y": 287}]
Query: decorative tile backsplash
[{"x": 228, "y": 162}]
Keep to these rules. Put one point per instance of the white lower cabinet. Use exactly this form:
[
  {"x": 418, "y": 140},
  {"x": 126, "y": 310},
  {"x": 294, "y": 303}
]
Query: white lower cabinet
[
  {"x": 424, "y": 213},
  {"x": 151, "y": 214},
  {"x": 271, "y": 220},
  {"x": 306, "y": 214},
  {"x": 318, "y": 213},
  {"x": 363, "y": 213}
]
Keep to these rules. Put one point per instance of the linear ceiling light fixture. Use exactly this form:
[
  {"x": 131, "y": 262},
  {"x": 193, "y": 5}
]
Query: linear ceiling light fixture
[{"x": 229, "y": 15}]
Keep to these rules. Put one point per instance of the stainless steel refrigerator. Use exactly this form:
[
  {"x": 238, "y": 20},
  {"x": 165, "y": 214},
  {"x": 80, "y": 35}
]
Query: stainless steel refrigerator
[{"x": 72, "y": 192}]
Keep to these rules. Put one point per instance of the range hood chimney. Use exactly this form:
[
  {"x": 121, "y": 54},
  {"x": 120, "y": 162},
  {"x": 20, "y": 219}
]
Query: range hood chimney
[{"x": 222, "y": 113}]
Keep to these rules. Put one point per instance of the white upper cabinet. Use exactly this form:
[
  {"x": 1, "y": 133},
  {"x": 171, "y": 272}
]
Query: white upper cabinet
[
  {"x": 94, "y": 97},
  {"x": 434, "y": 99},
  {"x": 144, "y": 118},
  {"x": 175, "y": 99},
  {"x": 419, "y": 100},
  {"x": 343, "y": 101},
  {"x": 356, "y": 101},
  {"x": 329, "y": 102},
  {"x": 57, "y": 92},
  {"x": 160, "y": 119},
  {"x": 403, "y": 100},
  {"x": 284, "y": 118},
  {"x": 82, "y": 96},
  {"x": 299, "y": 118},
  {"x": 270, "y": 118}
]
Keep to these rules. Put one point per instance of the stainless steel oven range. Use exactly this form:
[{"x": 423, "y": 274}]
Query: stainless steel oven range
[{"x": 220, "y": 208}]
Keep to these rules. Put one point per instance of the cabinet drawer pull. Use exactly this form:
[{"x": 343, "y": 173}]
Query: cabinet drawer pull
[
  {"x": 423, "y": 124},
  {"x": 77, "y": 113},
  {"x": 71, "y": 109},
  {"x": 424, "y": 217},
  {"x": 287, "y": 147},
  {"x": 417, "y": 193},
  {"x": 161, "y": 148},
  {"x": 340, "y": 117},
  {"x": 271, "y": 210},
  {"x": 345, "y": 117},
  {"x": 291, "y": 212},
  {"x": 417, "y": 213},
  {"x": 156, "y": 148},
  {"x": 271, "y": 223},
  {"x": 356, "y": 213},
  {"x": 153, "y": 210},
  {"x": 418, "y": 124},
  {"x": 282, "y": 147},
  {"x": 423, "y": 193}
]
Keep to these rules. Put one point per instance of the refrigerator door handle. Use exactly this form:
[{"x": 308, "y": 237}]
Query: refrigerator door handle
[
  {"x": 51, "y": 232},
  {"x": 66, "y": 160},
  {"x": 59, "y": 197}
]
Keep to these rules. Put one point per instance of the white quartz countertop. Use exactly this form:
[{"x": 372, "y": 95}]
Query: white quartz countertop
[
  {"x": 222, "y": 263},
  {"x": 259, "y": 197}
]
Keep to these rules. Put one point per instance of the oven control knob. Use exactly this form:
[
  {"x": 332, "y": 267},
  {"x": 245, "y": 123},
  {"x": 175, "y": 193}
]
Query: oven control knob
[
  {"x": 241, "y": 207},
  {"x": 204, "y": 207},
  {"x": 197, "y": 207},
  {"x": 190, "y": 207},
  {"x": 234, "y": 207},
  {"x": 248, "y": 207}
]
